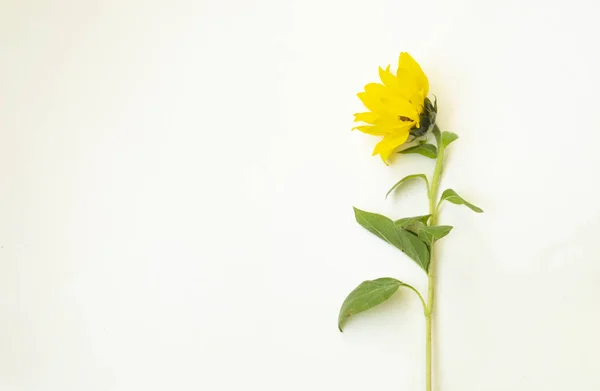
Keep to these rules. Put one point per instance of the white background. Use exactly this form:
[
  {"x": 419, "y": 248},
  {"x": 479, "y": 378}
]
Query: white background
[{"x": 177, "y": 181}]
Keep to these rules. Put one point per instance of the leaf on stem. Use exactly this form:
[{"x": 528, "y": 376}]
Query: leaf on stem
[
  {"x": 427, "y": 150},
  {"x": 404, "y": 240},
  {"x": 405, "y": 179},
  {"x": 451, "y": 196},
  {"x": 431, "y": 234},
  {"x": 448, "y": 137},
  {"x": 367, "y": 295},
  {"x": 406, "y": 222}
]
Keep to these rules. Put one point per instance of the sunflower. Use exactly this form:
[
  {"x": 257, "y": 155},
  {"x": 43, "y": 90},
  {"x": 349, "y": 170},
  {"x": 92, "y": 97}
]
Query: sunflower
[{"x": 398, "y": 106}]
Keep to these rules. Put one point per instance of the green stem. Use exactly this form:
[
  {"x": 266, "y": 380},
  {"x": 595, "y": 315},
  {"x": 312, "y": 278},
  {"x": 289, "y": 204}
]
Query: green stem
[
  {"x": 433, "y": 210},
  {"x": 420, "y": 297}
]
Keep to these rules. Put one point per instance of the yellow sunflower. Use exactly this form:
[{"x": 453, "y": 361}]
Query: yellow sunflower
[{"x": 398, "y": 106}]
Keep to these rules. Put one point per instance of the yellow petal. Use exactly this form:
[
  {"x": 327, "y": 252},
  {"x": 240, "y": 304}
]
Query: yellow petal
[
  {"x": 368, "y": 117},
  {"x": 371, "y": 101},
  {"x": 388, "y": 79},
  {"x": 418, "y": 102},
  {"x": 382, "y": 99},
  {"x": 408, "y": 84},
  {"x": 399, "y": 108},
  {"x": 389, "y": 143},
  {"x": 393, "y": 122},
  {"x": 372, "y": 130},
  {"x": 377, "y": 90},
  {"x": 410, "y": 73}
]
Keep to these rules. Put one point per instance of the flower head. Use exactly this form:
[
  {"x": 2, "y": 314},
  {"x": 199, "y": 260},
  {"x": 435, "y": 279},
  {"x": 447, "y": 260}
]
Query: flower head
[{"x": 398, "y": 106}]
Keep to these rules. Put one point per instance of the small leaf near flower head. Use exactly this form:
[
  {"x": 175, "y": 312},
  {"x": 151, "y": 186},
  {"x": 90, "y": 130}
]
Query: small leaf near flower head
[
  {"x": 367, "y": 295},
  {"x": 427, "y": 150},
  {"x": 405, "y": 179},
  {"x": 451, "y": 196},
  {"x": 448, "y": 137}
]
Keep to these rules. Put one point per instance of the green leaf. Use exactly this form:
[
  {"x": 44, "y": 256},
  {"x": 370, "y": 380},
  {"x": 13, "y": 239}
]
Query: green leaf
[
  {"x": 412, "y": 224},
  {"x": 431, "y": 234},
  {"x": 405, "y": 179},
  {"x": 402, "y": 239},
  {"x": 367, "y": 295},
  {"x": 451, "y": 196},
  {"x": 427, "y": 150},
  {"x": 418, "y": 225},
  {"x": 448, "y": 137},
  {"x": 408, "y": 221}
]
